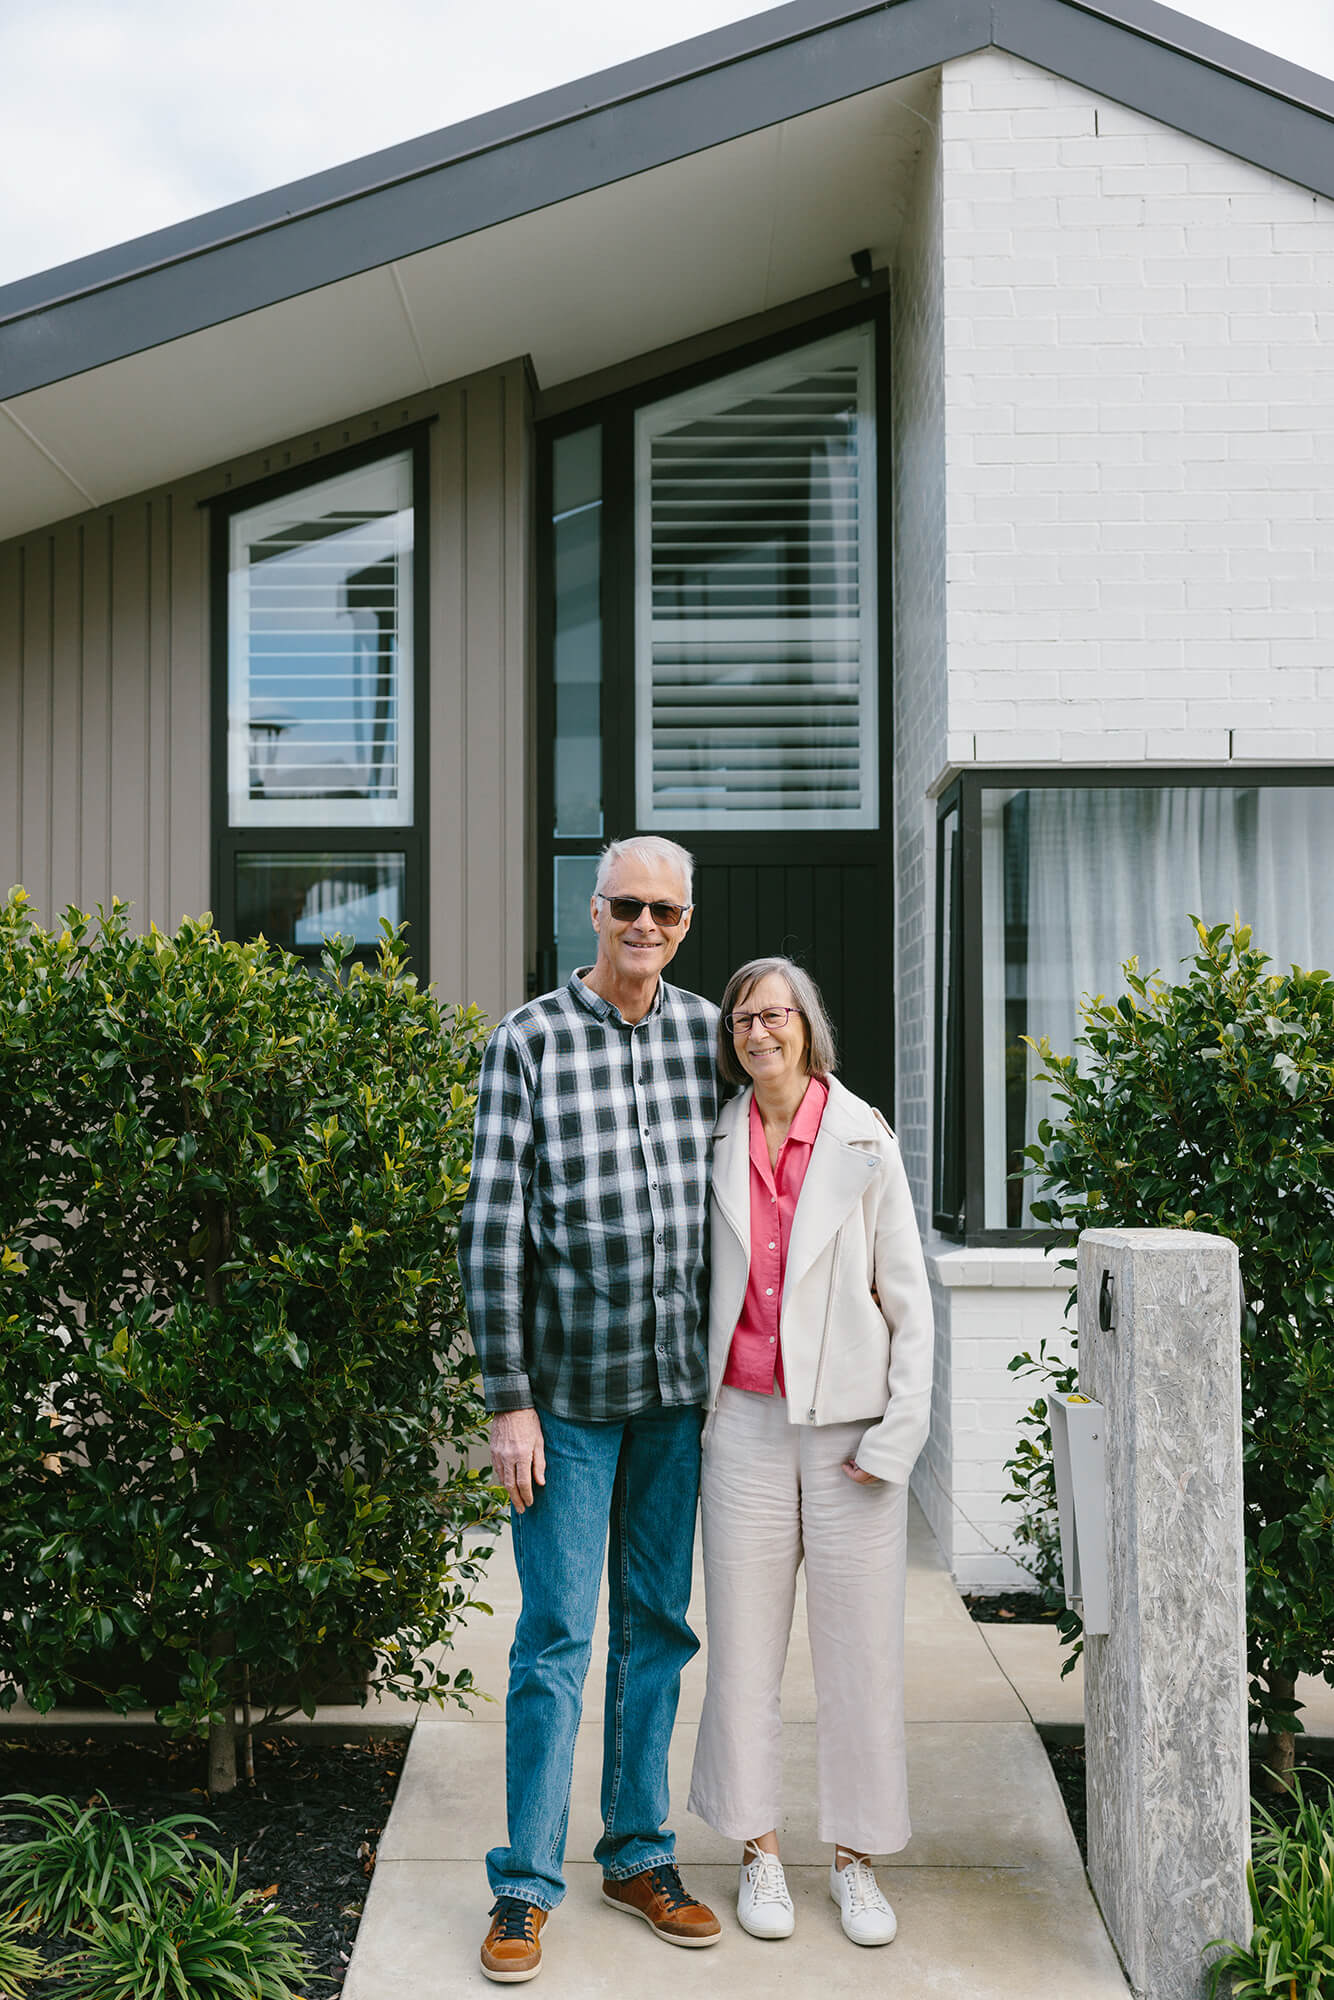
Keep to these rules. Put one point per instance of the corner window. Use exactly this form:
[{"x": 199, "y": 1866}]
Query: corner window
[
  {"x": 319, "y": 718},
  {"x": 1044, "y": 889},
  {"x": 755, "y": 596}
]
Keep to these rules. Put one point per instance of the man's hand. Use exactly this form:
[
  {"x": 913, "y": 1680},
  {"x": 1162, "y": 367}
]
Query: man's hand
[{"x": 518, "y": 1455}]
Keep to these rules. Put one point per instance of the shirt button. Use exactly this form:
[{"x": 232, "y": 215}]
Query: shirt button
[
  {"x": 768, "y": 1291},
  {"x": 773, "y": 1246},
  {"x": 771, "y": 1340}
]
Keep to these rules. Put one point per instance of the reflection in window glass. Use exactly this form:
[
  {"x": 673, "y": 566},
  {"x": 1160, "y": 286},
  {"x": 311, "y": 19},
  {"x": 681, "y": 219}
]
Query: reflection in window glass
[
  {"x": 755, "y": 596},
  {"x": 576, "y": 945},
  {"x": 577, "y": 561},
  {"x": 297, "y": 900},
  {"x": 320, "y": 654},
  {"x": 1075, "y": 881}
]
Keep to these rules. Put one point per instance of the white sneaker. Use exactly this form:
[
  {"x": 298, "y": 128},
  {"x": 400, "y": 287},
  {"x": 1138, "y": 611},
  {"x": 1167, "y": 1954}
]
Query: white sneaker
[
  {"x": 867, "y": 1917},
  {"x": 763, "y": 1905}
]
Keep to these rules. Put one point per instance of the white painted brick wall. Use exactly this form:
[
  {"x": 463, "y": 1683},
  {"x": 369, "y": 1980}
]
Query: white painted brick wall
[
  {"x": 1000, "y": 1303},
  {"x": 919, "y": 528},
  {"x": 1139, "y": 384},
  {"x": 919, "y": 524}
]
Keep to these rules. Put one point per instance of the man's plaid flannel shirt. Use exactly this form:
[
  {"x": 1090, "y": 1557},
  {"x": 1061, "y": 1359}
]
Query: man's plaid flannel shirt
[{"x": 583, "y": 1244}]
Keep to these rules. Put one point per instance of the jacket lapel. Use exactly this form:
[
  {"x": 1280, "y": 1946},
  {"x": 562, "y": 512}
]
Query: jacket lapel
[
  {"x": 836, "y": 1179},
  {"x": 731, "y": 1168}
]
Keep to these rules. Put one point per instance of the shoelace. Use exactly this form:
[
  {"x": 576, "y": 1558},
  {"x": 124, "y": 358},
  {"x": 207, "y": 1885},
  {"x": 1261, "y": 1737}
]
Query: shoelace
[
  {"x": 665, "y": 1882},
  {"x": 515, "y": 1918},
  {"x": 769, "y": 1884},
  {"x": 863, "y": 1889}
]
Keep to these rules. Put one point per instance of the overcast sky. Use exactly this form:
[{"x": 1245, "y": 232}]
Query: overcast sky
[{"x": 121, "y": 115}]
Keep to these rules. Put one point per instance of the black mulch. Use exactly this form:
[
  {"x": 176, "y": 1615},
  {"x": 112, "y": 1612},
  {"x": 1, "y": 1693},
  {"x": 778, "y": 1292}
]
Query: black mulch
[
  {"x": 309, "y": 1824},
  {"x": 1020, "y": 1607},
  {"x": 1067, "y": 1762}
]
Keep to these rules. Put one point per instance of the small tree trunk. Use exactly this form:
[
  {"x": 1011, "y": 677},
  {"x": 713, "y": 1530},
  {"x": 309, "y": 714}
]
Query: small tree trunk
[
  {"x": 222, "y": 1732},
  {"x": 1281, "y": 1747},
  {"x": 222, "y": 1753}
]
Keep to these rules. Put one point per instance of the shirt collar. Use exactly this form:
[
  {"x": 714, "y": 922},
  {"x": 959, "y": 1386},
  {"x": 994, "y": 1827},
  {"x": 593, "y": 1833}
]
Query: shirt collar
[{"x": 594, "y": 1003}]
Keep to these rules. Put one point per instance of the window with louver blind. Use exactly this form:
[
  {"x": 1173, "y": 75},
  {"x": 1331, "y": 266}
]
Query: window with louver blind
[
  {"x": 755, "y": 633},
  {"x": 320, "y": 654}
]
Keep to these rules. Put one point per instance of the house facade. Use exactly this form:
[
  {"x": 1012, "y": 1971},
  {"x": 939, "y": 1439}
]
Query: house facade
[{"x": 890, "y": 449}]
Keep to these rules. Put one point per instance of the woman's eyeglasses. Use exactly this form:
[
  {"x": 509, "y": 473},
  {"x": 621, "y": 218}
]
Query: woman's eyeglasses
[
  {"x": 626, "y": 910},
  {"x": 768, "y": 1017}
]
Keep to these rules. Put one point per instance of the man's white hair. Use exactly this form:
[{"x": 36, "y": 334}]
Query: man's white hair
[{"x": 651, "y": 849}]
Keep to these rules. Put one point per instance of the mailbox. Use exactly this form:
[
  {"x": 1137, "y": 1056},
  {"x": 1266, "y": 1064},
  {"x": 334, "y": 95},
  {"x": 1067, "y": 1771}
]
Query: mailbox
[{"x": 1078, "y": 1460}]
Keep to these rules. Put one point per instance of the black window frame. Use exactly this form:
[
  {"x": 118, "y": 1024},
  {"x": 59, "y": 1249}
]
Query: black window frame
[
  {"x": 411, "y": 841},
  {"x": 958, "y": 1160},
  {"x": 615, "y": 413}
]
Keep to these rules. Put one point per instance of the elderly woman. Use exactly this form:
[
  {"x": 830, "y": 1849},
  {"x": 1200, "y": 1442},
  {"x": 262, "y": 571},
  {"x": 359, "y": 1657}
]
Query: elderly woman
[{"x": 819, "y": 1394}]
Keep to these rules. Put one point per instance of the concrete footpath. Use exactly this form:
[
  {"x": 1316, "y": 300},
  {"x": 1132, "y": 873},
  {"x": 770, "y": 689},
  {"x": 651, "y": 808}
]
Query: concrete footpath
[{"x": 992, "y": 1900}]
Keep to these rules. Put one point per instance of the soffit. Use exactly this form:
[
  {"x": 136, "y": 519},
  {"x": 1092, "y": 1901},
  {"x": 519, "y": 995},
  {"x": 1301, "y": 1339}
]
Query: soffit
[{"x": 712, "y": 237}]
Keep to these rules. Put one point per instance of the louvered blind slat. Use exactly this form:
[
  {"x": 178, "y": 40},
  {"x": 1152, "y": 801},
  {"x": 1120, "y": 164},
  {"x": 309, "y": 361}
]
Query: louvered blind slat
[
  {"x": 755, "y": 591},
  {"x": 320, "y": 641}
]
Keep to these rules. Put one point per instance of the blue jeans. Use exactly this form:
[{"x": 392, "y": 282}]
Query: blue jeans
[{"x": 640, "y": 1480}]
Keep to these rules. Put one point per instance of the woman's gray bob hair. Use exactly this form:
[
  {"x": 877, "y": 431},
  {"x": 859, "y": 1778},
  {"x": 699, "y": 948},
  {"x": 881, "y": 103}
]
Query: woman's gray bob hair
[{"x": 821, "y": 1056}]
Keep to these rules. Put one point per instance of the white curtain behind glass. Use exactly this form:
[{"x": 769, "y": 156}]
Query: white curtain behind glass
[{"x": 1116, "y": 873}]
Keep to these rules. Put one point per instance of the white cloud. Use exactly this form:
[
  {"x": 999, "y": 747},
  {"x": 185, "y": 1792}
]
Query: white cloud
[{"x": 120, "y": 116}]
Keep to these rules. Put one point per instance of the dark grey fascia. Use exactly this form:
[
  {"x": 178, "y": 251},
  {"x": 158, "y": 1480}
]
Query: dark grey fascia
[{"x": 676, "y": 102}]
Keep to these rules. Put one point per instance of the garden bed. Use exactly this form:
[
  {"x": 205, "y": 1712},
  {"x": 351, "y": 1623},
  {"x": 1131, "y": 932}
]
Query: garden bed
[
  {"x": 1067, "y": 1763},
  {"x": 307, "y": 1828},
  {"x": 1018, "y": 1607}
]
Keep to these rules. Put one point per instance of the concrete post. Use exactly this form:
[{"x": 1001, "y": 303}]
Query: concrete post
[{"x": 1165, "y": 1700}]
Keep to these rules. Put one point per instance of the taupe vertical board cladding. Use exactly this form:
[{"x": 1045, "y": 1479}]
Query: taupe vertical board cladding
[
  {"x": 94, "y": 778},
  {"x": 11, "y": 712},
  {"x": 105, "y": 676},
  {"x": 488, "y": 847},
  {"x": 480, "y": 841},
  {"x": 131, "y": 626},
  {"x": 185, "y": 620},
  {"x": 447, "y": 835},
  {"x": 159, "y": 720},
  {"x": 34, "y": 856},
  {"x": 66, "y": 711}
]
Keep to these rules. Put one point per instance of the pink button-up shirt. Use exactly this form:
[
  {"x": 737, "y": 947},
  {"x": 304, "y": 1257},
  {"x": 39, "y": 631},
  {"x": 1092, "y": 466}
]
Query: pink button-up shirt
[{"x": 755, "y": 1360}]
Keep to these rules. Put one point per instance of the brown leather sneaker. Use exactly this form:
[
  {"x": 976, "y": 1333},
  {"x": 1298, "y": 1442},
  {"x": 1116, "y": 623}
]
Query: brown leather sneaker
[
  {"x": 512, "y": 1952},
  {"x": 658, "y": 1895}
]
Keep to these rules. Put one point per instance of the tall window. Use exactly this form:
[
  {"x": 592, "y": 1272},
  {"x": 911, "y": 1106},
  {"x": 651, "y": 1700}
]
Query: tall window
[
  {"x": 318, "y": 759},
  {"x": 1052, "y": 886},
  {"x": 755, "y": 627}
]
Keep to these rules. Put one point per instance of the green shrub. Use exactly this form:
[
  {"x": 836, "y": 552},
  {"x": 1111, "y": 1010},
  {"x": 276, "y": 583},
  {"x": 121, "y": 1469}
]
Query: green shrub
[
  {"x": 81, "y": 1861},
  {"x": 1210, "y": 1105},
  {"x": 232, "y": 1336},
  {"x": 1291, "y": 1885},
  {"x": 201, "y": 1942}
]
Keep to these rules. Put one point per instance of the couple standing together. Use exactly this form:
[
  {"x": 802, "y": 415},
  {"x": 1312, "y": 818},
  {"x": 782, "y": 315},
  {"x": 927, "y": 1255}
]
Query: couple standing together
[{"x": 640, "y": 1264}]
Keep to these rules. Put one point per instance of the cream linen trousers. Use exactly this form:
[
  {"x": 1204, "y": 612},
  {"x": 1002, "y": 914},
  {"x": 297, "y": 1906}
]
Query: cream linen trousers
[{"x": 771, "y": 1492}]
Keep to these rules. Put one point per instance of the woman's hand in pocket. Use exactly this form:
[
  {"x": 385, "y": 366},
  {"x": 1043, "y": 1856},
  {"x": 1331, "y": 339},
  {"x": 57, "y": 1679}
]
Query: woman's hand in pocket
[{"x": 854, "y": 1472}]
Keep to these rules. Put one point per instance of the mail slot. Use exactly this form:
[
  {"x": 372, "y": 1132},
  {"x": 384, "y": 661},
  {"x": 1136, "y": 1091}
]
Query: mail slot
[{"x": 1078, "y": 1431}]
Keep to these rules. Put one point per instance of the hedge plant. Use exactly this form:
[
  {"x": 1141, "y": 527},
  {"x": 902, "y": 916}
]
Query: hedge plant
[
  {"x": 1210, "y": 1105},
  {"x": 240, "y": 1399}
]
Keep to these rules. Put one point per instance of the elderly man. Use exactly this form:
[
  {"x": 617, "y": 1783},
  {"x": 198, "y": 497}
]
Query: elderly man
[{"x": 583, "y": 1257}]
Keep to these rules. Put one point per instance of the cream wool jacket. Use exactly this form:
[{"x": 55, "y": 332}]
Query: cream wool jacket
[{"x": 844, "y": 1356}]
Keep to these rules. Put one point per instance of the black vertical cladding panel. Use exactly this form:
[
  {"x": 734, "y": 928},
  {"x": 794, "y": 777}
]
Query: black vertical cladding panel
[{"x": 830, "y": 917}]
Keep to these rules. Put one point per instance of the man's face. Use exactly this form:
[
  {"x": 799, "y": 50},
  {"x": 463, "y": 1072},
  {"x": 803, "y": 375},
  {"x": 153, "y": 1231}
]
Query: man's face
[{"x": 638, "y": 948}]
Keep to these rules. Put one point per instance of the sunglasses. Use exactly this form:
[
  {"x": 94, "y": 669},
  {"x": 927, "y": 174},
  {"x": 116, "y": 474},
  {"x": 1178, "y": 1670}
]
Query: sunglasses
[{"x": 626, "y": 909}]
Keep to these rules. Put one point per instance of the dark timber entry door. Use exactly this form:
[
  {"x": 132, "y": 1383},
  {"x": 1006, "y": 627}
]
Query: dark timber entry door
[{"x": 711, "y": 613}]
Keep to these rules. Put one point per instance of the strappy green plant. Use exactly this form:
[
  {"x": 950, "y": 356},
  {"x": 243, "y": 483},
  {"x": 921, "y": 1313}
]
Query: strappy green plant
[
  {"x": 86, "y": 1860},
  {"x": 20, "y": 1965},
  {"x": 1291, "y": 1885},
  {"x": 202, "y": 1941}
]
